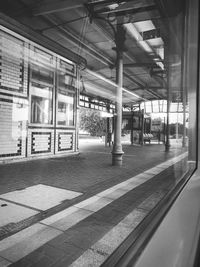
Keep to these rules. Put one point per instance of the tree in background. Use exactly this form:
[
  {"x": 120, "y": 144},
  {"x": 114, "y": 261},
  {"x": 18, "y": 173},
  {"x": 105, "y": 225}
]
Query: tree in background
[
  {"x": 91, "y": 121},
  {"x": 173, "y": 127}
]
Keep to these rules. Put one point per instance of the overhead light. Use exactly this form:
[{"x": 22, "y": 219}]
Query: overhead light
[
  {"x": 131, "y": 29},
  {"x": 146, "y": 47},
  {"x": 160, "y": 64},
  {"x": 133, "y": 94},
  {"x": 113, "y": 6},
  {"x": 146, "y": 25}
]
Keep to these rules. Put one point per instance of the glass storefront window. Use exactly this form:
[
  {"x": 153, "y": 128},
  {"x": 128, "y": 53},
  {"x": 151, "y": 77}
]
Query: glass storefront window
[
  {"x": 41, "y": 87},
  {"x": 41, "y": 104},
  {"x": 65, "y": 115},
  {"x": 66, "y": 94}
]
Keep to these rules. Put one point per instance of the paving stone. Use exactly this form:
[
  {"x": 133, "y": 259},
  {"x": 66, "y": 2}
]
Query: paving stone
[
  {"x": 71, "y": 253},
  {"x": 12, "y": 213},
  {"x": 40, "y": 196},
  {"x": 112, "y": 239},
  {"x": 59, "y": 215},
  {"x": 152, "y": 201},
  {"x": 44, "y": 256},
  {"x": 69, "y": 220},
  {"x": 89, "y": 258},
  {"x": 23, "y": 263},
  {"x": 134, "y": 218},
  {"x": 26, "y": 241},
  {"x": 144, "y": 176},
  {"x": 4, "y": 262},
  {"x": 94, "y": 203},
  {"x": 88, "y": 173},
  {"x": 114, "y": 194}
]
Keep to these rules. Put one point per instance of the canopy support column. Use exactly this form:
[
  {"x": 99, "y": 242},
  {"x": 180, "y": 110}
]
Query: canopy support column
[
  {"x": 167, "y": 143},
  {"x": 117, "y": 146}
]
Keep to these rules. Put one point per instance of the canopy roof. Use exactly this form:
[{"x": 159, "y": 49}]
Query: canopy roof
[{"x": 84, "y": 31}]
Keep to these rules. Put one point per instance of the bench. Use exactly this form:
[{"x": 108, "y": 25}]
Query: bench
[{"x": 147, "y": 138}]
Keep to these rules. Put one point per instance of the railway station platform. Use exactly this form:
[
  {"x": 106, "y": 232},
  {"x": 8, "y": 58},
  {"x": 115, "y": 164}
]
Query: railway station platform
[{"x": 75, "y": 211}]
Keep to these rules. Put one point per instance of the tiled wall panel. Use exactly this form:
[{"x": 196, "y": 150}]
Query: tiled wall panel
[
  {"x": 13, "y": 132},
  {"x": 13, "y": 64},
  {"x": 65, "y": 141},
  {"x": 40, "y": 142},
  {"x": 18, "y": 137}
]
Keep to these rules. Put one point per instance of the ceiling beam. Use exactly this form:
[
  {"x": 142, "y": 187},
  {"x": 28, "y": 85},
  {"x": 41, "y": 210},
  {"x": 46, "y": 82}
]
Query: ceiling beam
[
  {"x": 42, "y": 40},
  {"x": 153, "y": 93},
  {"x": 140, "y": 64},
  {"x": 56, "y": 6},
  {"x": 107, "y": 2},
  {"x": 99, "y": 76},
  {"x": 149, "y": 88},
  {"x": 127, "y": 75},
  {"x": 76, "y": 41},
  {"x": 125, "y": 11}
]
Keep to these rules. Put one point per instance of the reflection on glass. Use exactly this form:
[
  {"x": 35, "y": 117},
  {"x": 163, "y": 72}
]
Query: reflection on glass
[
  {"x": 65, "y": 114},
  {"x": 41, "y": 104},
  {"x": 41, "y": 90},
  {"x": 66, "y": 94}
]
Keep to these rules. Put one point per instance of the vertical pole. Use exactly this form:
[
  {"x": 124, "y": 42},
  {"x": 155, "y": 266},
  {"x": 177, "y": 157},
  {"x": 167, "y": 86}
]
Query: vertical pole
[
  {"x": 184, "y": 119},
  {"x": 164, "y": 131},
  {"x": 167, "y": 143},
  {"x": 142, "y": 129},
  {"x": 117, "y": 147},
  {"x": 132, "y": 124},
  {"x": 77, "y": 110}
]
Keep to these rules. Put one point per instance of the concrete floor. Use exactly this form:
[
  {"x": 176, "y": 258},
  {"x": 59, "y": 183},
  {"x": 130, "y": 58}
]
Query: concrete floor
[{"x": 99, "y": 207}]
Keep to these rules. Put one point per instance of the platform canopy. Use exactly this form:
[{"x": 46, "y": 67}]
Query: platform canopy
[{"x": 84, "y": 31}]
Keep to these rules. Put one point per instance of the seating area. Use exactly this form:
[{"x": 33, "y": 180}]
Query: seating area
[{"x": 147, "y": 137}]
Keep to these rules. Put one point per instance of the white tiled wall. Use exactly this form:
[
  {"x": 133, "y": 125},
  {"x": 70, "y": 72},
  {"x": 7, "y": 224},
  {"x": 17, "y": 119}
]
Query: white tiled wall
[
  {"x": 65, "y": 141},
  {"x": 40, "y": 142},
  {"x": 13, "y": 64},
  {"x": 18, "y": 138},
  {"x": 12, "y": 133}
]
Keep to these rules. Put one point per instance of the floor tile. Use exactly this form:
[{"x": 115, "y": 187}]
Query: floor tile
[
  {"x": 58, "y": 216},
  {"x": 26, "y": 241},
  {"x": 12, "y": 213},
  {"x": 94, "y": 204},
  {"x": 40, "y": 196},
  {"x": 4, "y": 262},
  {"x": 44, "y": 256},
  {"x": 89, "y": 258},
  {"x": 150, "y": 202},
  {"x": 70, "y": 220},
  {"x": 114, "y": 194}
]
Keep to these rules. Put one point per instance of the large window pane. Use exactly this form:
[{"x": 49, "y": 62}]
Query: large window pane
[
  {"x": 66, "y": 94},
  {"x": 41, "y": 104},
  {"x": 65, "y": 108},
  {"x": 41, "y": 87}
]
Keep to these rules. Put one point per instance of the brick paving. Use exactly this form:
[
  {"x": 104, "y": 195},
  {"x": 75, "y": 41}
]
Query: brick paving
[{"x": 90, "y": 172}]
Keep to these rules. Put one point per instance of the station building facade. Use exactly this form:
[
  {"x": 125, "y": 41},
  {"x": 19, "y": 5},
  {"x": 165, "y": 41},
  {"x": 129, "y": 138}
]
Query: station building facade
[{"x": 38, "y": 100}]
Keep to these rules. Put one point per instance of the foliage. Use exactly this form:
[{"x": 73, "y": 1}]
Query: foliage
[
  {"x": 173, "y": 127},
  {"x": 92, "y": 122}
]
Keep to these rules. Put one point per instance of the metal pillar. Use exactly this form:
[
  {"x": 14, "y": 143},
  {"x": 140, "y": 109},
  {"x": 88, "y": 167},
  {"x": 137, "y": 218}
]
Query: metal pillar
[
  {"x": 167, "y": 143},
  {"x": 184, "y": 119},
  {"x": 132, "y": 124},
  {"x": 142, "y": 129},
  {"x": 117, "y": 146}
]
